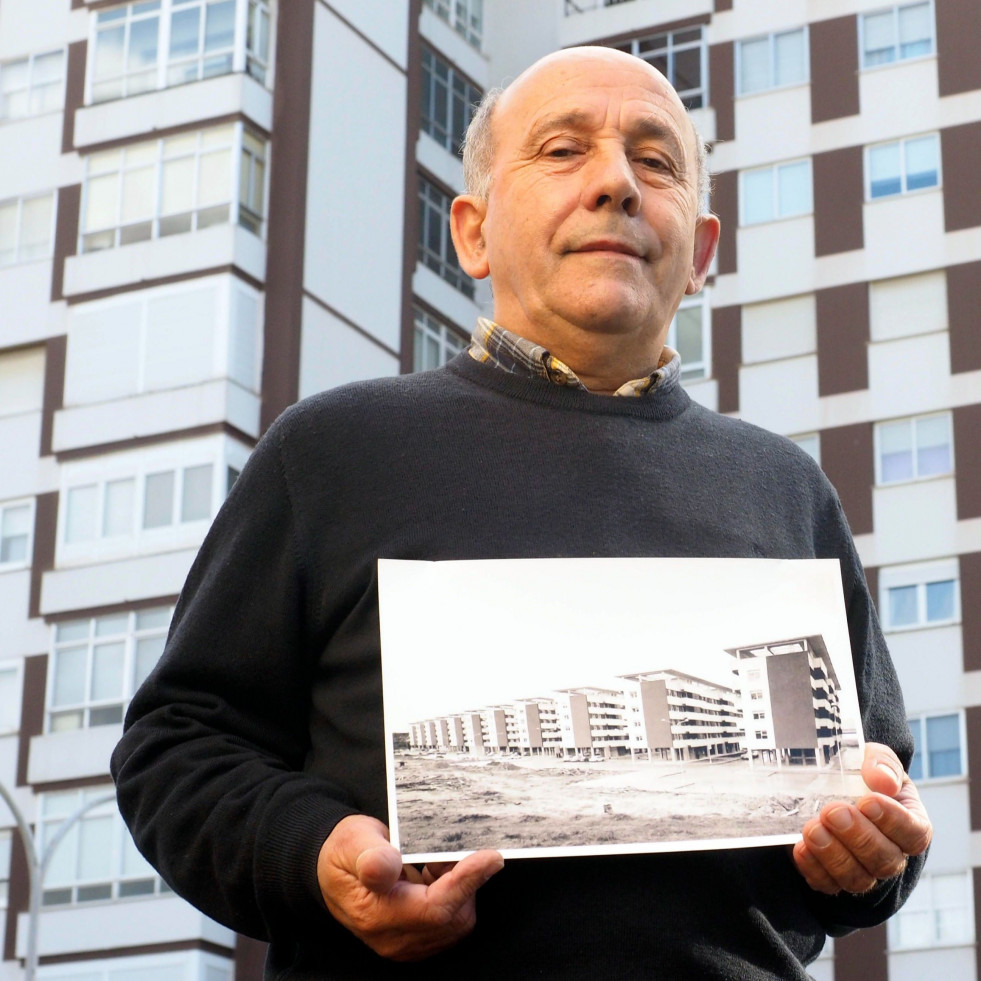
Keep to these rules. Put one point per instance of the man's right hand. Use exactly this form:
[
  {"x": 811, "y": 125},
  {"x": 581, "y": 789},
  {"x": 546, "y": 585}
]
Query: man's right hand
[{"x": 397, "y": 911}]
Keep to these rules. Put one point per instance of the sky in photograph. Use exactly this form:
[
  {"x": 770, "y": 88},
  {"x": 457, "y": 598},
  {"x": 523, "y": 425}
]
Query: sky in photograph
[{"x": 467, "y": 634}]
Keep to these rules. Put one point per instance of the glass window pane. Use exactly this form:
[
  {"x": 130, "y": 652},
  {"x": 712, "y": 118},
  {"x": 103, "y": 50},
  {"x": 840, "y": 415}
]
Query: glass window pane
[
  {"x": 754, "y": 65},
  {"x": 903, "y": 606},
  {"x": 944, "y": 745},
  {"x": 687, "y": 69},
  {"x": 895, "y": 451},
  {"x": 117, "y": 517},
  {"x": 884, "y": 170},
  {"x": 47, "y": 68},
  {"x": 215, "y": 178},
  {"x": 915, "y": 30},
  {"x": 95, "y": 848},
  {"x": 35, "y": 227},
  {"x": 916, "y": 764},
  {"x": 111, "y": 625},
  {"x": 157, "y": 618},
  {"x": 757, "y": 196},
  {"x": 789, "y": 58},
  {"x": 69, "y": 676},
  {"x": 137, "y": 195},
  {"x": 133, "y": 862},
  {"x": 107, "y": 671},
  {"x": 940, "y": 600},
  {"x": 933, "y": 446},
  {"x": 109, "y": 46},
  {"x": 688, "y": 335},
  {"x": 14, "y": 533},
  {"x": 184, "y": 29},
  {"x": 879, "y": 33},
  {"x": 177, "y": 191},
  {"x": 794, "y": 188},
  {"x": 219, "y": 31},
  {"x": 196, "y": 493},
  {"x": 148, "y": 651},
  {"x": 142, "y": 45},
  {"x": 8, "y": 232},
  {"x": 71, "y": 630},
  {"x": 102, "y": 202},
  {"x": 921, "y": 163},
  {"x": 158, "y": 505},
  {"x": 80, "y": 522}
]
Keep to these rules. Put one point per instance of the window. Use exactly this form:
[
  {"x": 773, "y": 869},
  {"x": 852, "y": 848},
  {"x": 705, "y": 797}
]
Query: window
[
  {"x": 681, "y": 57},
  {"x": 912, "y": 449},
  {"x": 448, "y": 100},
  {"x": 189, "y": 965},
  {"x": 780, "y": 191},
  {"x": 96, "y": 860},
  {"x": 179, "y": 184},
  {"x": 940, "y": 910},
  {"x": 435, "y": 245},
  {"x": 16, "y": 520},
  {"x": 466, "y": 17},
  {"x": 903, "y": 166},
  {"x": 153, "y": 44},
  {"x": 5, "y": 842},
  {"x": 26, "y": 228},
  {"x": 810, "y": 443},
  {"x": 31, "y": 86},
  {"x": 10, "y": 697},
  {"x": 689, "y": 334},
  {"x": 897, "y": 34},
  {"x": 919, "y": 596},
  {"x": 98, "y": 663},
  {"x": 937, "y": 741},
  {"x": 772, "y": 62},
  {"x": 434, "y": 342}
]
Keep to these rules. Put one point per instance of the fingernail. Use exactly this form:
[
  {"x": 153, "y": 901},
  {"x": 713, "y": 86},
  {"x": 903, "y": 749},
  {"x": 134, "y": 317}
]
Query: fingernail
[
  {"x": 888, "y": 768},
  {"x": 840, "y": 818},
  {"x": 872, "y": 809},
  {"x": 820, "y": 837}
]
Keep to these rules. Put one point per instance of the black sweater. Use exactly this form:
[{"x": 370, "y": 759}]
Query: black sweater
[{"x": 261, "y": 726}]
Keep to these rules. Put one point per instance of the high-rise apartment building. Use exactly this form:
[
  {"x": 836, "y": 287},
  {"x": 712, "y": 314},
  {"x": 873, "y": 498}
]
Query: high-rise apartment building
[{"x": 210, "y": 208}]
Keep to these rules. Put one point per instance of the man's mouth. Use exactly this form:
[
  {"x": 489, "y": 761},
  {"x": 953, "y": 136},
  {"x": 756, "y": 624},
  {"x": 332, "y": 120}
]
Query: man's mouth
[{"x": 610, "y": 245}]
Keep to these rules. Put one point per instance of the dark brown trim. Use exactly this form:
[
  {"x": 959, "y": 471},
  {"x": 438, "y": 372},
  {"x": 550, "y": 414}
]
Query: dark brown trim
[
  {"x": 721, "y": 5},
  {"x": 43, "y": 553},
  {"x": 334, "y": 312},
  {"x": 967, "y": 460},
  {"x": 727, "y": 354},
  {"x": 112, "y": 952},
  {"x": 848, "y": 458},
  {"x": 963, "y": 304},
  {"x": 66, "y": 235},
  {"x": 56, "y": 349},
  {"x": 85, "y": 613},
  {"x": 725, "y": 203},
  {"x": 250, "y": 958},
  {"x": 74, "y": 92},
  {"x": 152, "y": 439},
  {"x": 410, "y": 186},
  {"x": 960, "y": 151},
  {"x": 146, "y": 284},
  {"x": 861, "y": 956},
  {"x": 364, "y": 37},
  {"x": 970, "y": 586},
  {"x": 872, "y": 583},
  {"x": 31, "y": 710},
  {"x": 839, "y": 194},
  {"x": 722, "y": 72},
  {"x": 972, "y": 726},
  {"x": 653, "y": 30},
  {"x": 437, "y": 52},
  {"x": 436, "y": 180},
  {"x": 160, "y": 134},
  {"x": 842, "y": 338},
  {"x": 77, "y": 783},
  {"x": 93, "y": 4},
  {"x": 958, "y": 30},
  {"x": 18, "y": 897},
  {"x": 289, "y": 172},
  {"x": 834, "y": 68},
  {"x": 418, "y": 301}
]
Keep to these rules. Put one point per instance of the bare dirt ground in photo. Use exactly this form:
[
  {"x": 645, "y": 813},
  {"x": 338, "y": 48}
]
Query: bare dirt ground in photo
[{"x": 459, "y": 804}]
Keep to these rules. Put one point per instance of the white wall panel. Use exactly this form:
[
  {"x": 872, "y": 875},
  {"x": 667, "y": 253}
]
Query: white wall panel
[
  {"x": 781, "y": 395},
  {"x": 776, "y": 258},
  {"x": 900, "y": 533},
  {"x": 28, "y": 314},
  {"x": 953, "y": 963},
  {"x": 36, "y": 27},
  {"x": 440, "y": 162},
  {"x": 445, "y": 39},
  {"x": 72, "y": 755},
  {"x": 773, "y": 125},
  {"x": 103, "y": 360},
  {"x": 903, "y": 234},
  {"x": 705, "y": 392},
  {"x": 929, "y": 664},
  {"x": 890, "y": 366},
  {"x": 779, "y": 329},
  {"x": 19, "y": 635},
  {"x": 21, "y": 381},
  {"x": 31, "y": 173},
  {"x": 384, "y": 22},
  {"x": 20, "y": 438},
  {"x": 602, "y": 21},
  {"x": 892, "y": 95},
  {"x": 908, "y": 305},
  {"x": 947, "y": 802}
]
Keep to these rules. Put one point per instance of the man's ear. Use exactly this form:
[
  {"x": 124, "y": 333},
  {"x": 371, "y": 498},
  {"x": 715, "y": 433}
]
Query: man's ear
[
  {"x": 706, "y": 242},
  {"x": 467, "y": 228}
]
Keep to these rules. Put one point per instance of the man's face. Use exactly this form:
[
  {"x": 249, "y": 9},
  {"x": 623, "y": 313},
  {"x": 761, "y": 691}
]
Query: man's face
[{"x": 591, "y": 223}]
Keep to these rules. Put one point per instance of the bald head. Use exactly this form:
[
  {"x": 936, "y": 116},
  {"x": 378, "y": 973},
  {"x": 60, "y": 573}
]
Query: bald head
[{"x": 479, "y": 143}]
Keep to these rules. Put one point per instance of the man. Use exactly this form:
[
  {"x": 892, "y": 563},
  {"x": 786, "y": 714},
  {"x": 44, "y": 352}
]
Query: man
[{"x": 252, "y": 771}]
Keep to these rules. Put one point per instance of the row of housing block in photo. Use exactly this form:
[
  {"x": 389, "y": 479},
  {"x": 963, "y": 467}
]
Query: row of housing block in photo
[{"x": 784, "y": 708}]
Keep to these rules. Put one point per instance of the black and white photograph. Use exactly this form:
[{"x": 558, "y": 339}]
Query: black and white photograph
[{"x": 614, "y": 705}]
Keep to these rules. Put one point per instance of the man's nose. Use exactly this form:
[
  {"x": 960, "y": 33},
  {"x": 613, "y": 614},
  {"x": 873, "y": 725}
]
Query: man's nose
[{"x": 613, "y": 184}]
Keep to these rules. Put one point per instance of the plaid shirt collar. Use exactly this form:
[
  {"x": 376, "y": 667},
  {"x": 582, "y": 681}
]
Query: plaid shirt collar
[{"x": 492, "y": 344}]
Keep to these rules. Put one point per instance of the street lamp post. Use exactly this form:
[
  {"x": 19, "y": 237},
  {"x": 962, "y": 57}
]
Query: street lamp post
[{"x": 37, "y": 865}]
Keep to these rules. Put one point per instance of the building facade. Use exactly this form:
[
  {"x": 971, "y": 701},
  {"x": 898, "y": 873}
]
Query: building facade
[{"x": 211, "y": 208}]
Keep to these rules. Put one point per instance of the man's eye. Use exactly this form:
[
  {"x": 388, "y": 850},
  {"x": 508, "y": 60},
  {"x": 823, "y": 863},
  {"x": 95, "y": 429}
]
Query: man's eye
[
  {"x": 560, "y": 151},
  {"x": 654, "y": 163}
]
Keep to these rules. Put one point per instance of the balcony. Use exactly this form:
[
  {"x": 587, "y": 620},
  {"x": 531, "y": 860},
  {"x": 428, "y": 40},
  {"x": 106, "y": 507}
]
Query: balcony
[{"x": 581, "y": 6}]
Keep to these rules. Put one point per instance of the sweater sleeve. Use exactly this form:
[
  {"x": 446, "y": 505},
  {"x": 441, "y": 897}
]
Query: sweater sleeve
[{"x": 209, "y": 770}]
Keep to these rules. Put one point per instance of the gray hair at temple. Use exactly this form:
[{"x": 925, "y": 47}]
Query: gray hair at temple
[{"x": 478, "y": 151}]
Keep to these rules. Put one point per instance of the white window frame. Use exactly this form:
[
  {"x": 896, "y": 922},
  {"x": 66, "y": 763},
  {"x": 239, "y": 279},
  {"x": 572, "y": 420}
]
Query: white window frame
[
  {"x": 925, "y": 777},
  {"x": 444, "y": 263},
  {"x": 771, "y": 85},
  {"x": 186, "y": 965},
  {"x": 774, "y": 169},
  {"x": 471, "y": 94},
  {"x": 700, "y": 92},
  {"x": 466, "y": 17},
  {"x": 450, "y": 340},
  {"x": 912, "y": 420},
  {"x": 5, "y": 506},
  {"x": 898, "y": 59},
  {"x": 19, "y": 245},
  {"x": 236, "y": 209},
  {"x": 697, "y": 370},
  {"x": 919, "y": 576},
  {"x": 903, "y": 191},
  {"x": 244, "y": 59},
  {"x": 925, "y": 884},
  {"x": 31, "y": 87},
  {"x": 129, "y": 638},
  {"x": 14, "y": 670}
]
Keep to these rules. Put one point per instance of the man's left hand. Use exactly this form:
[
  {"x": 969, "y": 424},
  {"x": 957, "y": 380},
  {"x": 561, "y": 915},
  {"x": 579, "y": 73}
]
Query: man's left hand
[{"x": 850, "y": 847}]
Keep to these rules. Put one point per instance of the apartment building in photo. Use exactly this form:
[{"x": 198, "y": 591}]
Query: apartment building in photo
[{"x": 212, "y": 208}]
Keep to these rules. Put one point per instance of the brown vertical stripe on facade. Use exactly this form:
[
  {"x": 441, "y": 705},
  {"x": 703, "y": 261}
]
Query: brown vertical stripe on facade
[
  {"x": 958, "y": 30},
  {"x": 725, "y": 203},
  {"x": 967, "y": 460},
  {"x": 43, "y": 555},
  {"x": 18, "y": 897},
  {"x": 842, "y": 338},
  {"x": 861, "y": 956},
  {"x": 74, "y": 92},
  {"x": 970, "y": 576},
  {"x": 839, "y": 192},
  {"x": 54, "y": 389},
  {"x": 722, "y": 73},
  {"x": 410, "y": 222},
  {"x": 972, "y": 725},
  {"x": 287, "y": 209},
  {"x": 727, "y": 354},
  {"x": 66, "y": 235},
  {"x": 963, "y": 306},
  {"x": 722, "y": 5},
  {"x": 872, "y": 581},
  {"x": 31, "y": 710},
  {"x": 960, "y": 151},
  {"x": 250, "y": 959},
  {"x": 834, "y": 68},
  {"x": 847, "y": 458}
]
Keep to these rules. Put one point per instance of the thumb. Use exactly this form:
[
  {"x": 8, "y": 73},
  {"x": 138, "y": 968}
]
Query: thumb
[
  {"x": 881, "y": 770},
  {"x": 378, "y": 868}
]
